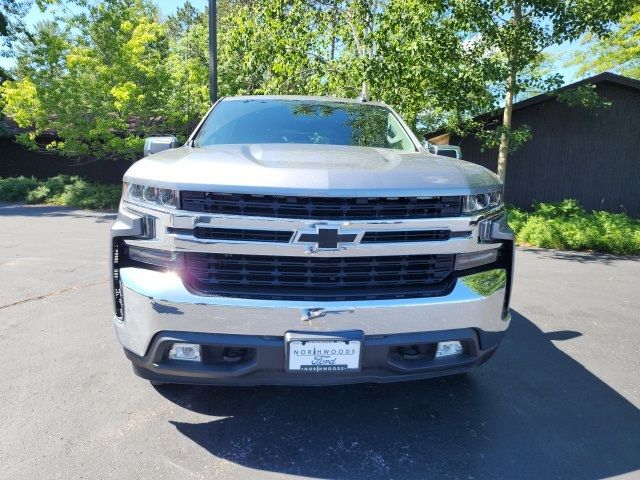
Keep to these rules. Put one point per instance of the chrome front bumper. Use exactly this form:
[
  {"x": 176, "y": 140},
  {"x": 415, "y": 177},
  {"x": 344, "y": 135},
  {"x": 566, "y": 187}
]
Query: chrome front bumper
[{"x": 156, "y": 301}]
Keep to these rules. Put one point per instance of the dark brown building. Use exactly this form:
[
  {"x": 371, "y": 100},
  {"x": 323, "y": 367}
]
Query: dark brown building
[{"x": 590, "y": 155}]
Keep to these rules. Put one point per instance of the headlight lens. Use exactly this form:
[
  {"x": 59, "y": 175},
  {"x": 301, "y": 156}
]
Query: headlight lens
[
  {"x": 163, "y": 197},
  {"x": 481, "y": 201}
]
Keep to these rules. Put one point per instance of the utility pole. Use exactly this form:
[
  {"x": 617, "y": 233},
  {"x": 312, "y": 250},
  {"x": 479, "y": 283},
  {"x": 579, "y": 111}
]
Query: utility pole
[{"x": 213, "y": 51}]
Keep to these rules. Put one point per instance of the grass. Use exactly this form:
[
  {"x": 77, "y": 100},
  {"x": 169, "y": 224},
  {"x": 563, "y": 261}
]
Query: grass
[
  {"x": 60, "y": 190},
  {"x": 567, "y": 226}
]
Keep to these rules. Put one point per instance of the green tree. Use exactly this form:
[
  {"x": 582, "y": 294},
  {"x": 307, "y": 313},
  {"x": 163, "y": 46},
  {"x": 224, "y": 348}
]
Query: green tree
[
  {"x": 188, "y": 67},
  {"x": 99, "y": 80},
  {"x": 11, "y": 13},
  {"x": 617, "y": 51},
  {"x": 11, "y": 25},
  {"x": 511, "y": 34},
  {"x": 263, "y": 48},
  {"x": 401, "y": 52},
  {"x": 422, "y": 67},
  {"x": 275, "y": 47},
  {"x": 114, "y": 71}
]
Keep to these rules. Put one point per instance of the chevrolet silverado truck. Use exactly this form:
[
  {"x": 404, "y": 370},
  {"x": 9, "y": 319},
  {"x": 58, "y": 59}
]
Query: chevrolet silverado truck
[{"x": 307, "y": 240}]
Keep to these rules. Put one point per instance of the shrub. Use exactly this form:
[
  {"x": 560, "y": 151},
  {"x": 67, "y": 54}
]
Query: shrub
[
  {"x": 83, "y": 194},
  {"x": 16, "y": 189},
  {"x": 540, "y": 232},
  {"x": 39, "y": 195},
  {"x": 57, "y": 184},
  {"x": 516, "y": 218},
  {"x": 563, "y": 209},
  {"x": 60, "y": 190},
  {"x": 566, "y": 225},
  {"x": 619, "y": 232}
]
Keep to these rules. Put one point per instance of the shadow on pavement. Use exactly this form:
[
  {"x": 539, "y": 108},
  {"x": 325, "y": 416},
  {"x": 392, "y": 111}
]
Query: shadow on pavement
[
  {"x": 580, "y": 257},
  {"x": 21, "y": 210},
  {"x": 530, "y": 412}
]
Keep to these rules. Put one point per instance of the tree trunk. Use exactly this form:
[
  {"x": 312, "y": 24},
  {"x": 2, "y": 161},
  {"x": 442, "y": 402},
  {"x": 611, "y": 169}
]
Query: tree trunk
[
  {"x": 333, "y": 30},
  {"x": 508, "y": 101},
  {"x": 365, "y": 90},
  {"x": 506, "y": 123}
]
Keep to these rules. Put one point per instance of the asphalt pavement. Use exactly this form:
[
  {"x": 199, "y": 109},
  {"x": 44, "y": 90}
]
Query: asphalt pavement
[{"x": 559, "y": 399}]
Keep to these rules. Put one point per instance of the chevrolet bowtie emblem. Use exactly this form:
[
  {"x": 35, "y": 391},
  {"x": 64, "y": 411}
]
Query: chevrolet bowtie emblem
[{"x": 327, "y": 238}]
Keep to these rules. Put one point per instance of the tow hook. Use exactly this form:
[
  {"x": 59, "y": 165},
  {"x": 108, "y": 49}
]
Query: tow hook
[{"x": 311, "y": 313}]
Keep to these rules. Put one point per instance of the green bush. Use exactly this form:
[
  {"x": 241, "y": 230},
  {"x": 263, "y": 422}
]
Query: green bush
[
  {"x": 60, "y": 190},
  {"x": 516, "y": 218},
  {"x": 51, "y": 188},
  {"x": 542, "y": 233},
  {"x": 566, "y": 225},
  {"x": 16, "y": 189},
  {"x": 90, "y": 195}
]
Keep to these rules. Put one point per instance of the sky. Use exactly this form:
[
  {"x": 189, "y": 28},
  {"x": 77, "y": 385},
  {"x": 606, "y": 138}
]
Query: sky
[{"x": 169, "y": 6}]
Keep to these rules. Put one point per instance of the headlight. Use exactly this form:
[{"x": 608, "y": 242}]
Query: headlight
[
  {"x": 481, "y": 201},
  {"x": 163, "y": 197}
]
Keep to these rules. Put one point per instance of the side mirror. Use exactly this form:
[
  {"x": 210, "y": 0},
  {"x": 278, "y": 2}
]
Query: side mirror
[
  {"x": 159, "y": 144},
  {"x": 452, "y": 151}
]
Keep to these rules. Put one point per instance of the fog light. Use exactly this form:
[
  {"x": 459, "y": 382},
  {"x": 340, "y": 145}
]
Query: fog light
[
  {"x": 446, "y": 349},
  {"x": 185, "y": 351}
]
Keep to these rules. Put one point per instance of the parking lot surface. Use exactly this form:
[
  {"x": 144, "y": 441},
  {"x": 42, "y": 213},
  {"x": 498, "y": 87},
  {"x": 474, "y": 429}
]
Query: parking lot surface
[{"x": 558, "y": 400}]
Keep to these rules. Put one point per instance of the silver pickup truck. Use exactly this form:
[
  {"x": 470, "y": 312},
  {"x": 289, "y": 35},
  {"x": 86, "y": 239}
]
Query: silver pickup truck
[{"x": 307, "y": 240}]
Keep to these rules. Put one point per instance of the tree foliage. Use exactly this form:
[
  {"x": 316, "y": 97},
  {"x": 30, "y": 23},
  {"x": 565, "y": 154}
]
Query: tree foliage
[
  {"x": 584, "y": 96},
  {"x": 512, "y": 34},
  {"x": 11, "y": 13},
  {"x": 102, "y": 75},
  {"x": 421, "y": 66},
  {"x": 100, "y": 81},
  {"x": 617, "y": 51},
  {"x": 103, "y": 78}
]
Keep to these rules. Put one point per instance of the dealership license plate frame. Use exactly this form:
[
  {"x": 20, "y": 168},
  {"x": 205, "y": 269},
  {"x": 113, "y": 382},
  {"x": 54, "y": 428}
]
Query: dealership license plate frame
[{"x": 355, "y": 338}]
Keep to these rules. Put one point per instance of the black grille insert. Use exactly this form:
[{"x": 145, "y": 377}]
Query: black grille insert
[
  {"x": 406, "y": 236},
  {"x": 317, "y": 278},
  {"x": 240, "y": 234},
  {"x": 320, "y": 207},
  {"x": 412, "y": 236}
]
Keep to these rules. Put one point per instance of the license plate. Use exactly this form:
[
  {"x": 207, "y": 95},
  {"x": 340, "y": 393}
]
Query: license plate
[{"x": 324, "y": 355}]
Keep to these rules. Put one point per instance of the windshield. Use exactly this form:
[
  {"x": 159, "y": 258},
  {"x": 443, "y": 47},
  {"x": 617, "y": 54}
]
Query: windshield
[{"x": 303, "y": 121}]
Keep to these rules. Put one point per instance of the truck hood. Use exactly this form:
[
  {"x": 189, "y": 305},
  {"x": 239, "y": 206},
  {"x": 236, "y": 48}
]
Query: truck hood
[{"x": 311, "y": 170}]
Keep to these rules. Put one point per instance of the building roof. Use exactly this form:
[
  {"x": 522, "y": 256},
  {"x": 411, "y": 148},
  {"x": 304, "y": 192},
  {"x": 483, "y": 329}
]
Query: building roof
[{"x": 606, "y": 77}]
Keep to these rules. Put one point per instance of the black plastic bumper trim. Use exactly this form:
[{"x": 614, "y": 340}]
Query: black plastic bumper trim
[{"x": 266, "y": 362}]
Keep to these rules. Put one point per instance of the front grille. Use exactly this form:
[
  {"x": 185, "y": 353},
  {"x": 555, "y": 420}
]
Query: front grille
[
  {"x": 309, "y": 278},
  {"x": 327, "y": 208}
]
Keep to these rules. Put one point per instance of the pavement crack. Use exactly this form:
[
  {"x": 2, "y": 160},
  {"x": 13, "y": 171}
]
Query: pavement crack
[{"x": 52, "y": 294}]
